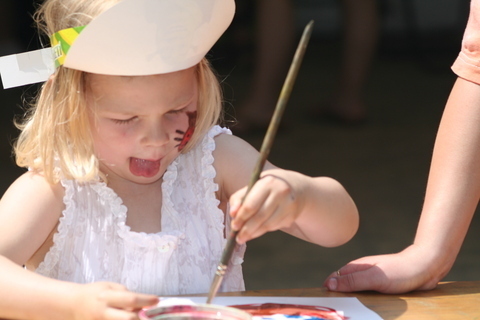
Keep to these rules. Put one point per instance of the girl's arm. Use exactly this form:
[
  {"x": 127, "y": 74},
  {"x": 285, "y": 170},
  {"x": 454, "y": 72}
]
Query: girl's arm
[
  {"x": 29, "y": 211},
  {"x": 27, "y": 296},
  {"x": 318, "y": 210},
  {"x": 453, "y": 192}
]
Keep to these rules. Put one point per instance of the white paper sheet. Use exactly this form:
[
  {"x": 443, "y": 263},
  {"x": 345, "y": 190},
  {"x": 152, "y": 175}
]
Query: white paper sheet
[{"x": 352, "y": 308}]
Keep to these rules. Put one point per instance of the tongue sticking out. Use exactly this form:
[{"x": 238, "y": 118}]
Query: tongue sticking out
[{"x": 145, "y": 168}]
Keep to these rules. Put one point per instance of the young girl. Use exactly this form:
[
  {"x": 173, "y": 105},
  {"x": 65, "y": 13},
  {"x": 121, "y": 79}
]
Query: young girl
[{"x": 132, "y": 187}]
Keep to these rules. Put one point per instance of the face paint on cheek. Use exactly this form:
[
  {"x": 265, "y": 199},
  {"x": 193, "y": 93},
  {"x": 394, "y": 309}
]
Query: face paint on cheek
[{"x": 187, "y": 135}]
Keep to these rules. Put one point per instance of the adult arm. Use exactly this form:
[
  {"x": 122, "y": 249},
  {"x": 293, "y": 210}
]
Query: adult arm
[{"x": 452, "y": 194}]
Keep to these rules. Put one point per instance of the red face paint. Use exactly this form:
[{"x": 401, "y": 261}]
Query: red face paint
[{"x": 187, "y": 135}]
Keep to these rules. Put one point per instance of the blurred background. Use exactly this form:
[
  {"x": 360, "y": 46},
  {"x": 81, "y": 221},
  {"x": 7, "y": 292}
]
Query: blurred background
[{"x": 381, "y": 154}]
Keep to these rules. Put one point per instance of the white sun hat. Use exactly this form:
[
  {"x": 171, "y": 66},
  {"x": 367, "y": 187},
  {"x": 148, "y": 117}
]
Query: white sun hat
[{"x": 132, "y": 38}]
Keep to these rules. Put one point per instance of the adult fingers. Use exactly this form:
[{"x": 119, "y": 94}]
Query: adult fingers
[
  {"x": 354, "y": 266},
  {"x": 365, "y": 277},
  {"x": 357, "y": 265}
]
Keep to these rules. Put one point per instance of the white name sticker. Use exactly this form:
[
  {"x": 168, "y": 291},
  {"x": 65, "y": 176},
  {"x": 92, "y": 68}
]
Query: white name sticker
[{"x": 26, "y": 68}]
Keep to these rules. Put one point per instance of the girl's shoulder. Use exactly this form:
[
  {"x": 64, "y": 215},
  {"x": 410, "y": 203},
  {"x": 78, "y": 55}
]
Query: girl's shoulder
[
  {"x": 228, "y": 146},
  {"x": 33, "y": 194},
  {"x": 29, "y": 211},
  {"x": 33, "y": 182},
  {"x": 234, "y": 162}
]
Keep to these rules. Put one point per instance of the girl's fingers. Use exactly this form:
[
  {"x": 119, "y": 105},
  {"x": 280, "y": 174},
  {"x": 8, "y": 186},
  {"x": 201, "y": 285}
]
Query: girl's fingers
[
  {"x": 268, "y": 210},
  {"x": 128, "y": 300},
  {"x": 254, "y": 229},
  {"x": 251, "y": 205},
  {"x": 255, "y": 226},
  {"x": 267, "y": 207},
  {"x": 117, "y": 314},
  {"x": 236, "y": 201}
]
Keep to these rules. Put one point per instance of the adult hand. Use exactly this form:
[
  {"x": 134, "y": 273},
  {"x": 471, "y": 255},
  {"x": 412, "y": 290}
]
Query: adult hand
[
  {"x": 109, "y": 301},
  {"x": 411, "y": 269}
]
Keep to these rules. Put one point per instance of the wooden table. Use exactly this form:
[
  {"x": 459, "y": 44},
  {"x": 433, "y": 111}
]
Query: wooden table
[{"x": 450, "y": 300}]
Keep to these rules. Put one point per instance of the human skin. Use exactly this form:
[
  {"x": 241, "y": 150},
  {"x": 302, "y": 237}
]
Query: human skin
[
  {"x": 453, "y": 191},
  {"x": 138, "y": 119},
  {"x": 135, "y": 126}
]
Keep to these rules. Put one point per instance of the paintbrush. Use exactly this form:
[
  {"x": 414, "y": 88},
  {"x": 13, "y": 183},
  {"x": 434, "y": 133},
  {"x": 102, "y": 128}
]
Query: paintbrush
[{"x": 264, "y": 151}]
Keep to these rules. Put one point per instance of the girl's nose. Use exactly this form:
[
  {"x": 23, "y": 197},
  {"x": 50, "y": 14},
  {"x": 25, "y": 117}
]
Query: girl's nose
[{"x": 155, "y": 134}]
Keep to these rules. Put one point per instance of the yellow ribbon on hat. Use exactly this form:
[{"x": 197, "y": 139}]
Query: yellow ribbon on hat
[{"x": 62, "y": 41}]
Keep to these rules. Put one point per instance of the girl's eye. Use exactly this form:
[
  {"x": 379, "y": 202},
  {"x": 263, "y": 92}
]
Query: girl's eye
[
  {"x": 126, "y": 121},
  {"x": 177, "y": 111}
]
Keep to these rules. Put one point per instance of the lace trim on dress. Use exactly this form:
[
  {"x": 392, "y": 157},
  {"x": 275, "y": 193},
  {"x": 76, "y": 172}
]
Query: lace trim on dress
[
  {"x": 168, "y": 212},
  {"x": 209, "y": 174},
  {"x": 119, "y": 211},
  {"x": 53, "y": 254}
]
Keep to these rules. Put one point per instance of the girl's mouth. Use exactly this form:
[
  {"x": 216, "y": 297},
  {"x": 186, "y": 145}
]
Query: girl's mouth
[{"x": 144, "y": 168}]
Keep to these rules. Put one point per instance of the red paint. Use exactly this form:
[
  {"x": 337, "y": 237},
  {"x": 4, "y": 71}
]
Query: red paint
[
  {"x": 268, "y": 309},
  {"x": 187, "y": 135},
  {"x": 193, "y": 312}
]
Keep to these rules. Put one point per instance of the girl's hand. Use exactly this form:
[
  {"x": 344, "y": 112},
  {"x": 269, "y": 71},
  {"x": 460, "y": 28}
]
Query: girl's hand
[
  {"x": 315, "y": 209},
  {"x": 269, "y": 206},
  {"x": 109, "y": 301},
  {"x": 411, "y": 269}
]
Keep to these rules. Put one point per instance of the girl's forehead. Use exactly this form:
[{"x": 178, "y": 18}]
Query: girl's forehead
[
  {"x": 171, "y": 88},
  {"x": 166, "y": 79}
]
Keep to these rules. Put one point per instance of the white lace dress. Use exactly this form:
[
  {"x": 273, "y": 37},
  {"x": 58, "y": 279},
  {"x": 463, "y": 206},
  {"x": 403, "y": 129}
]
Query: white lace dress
[{"x": 93, "y": 243}]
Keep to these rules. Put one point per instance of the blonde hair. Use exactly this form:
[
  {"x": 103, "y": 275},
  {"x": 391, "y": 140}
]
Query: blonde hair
[{"x": 55, "y": 137}]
